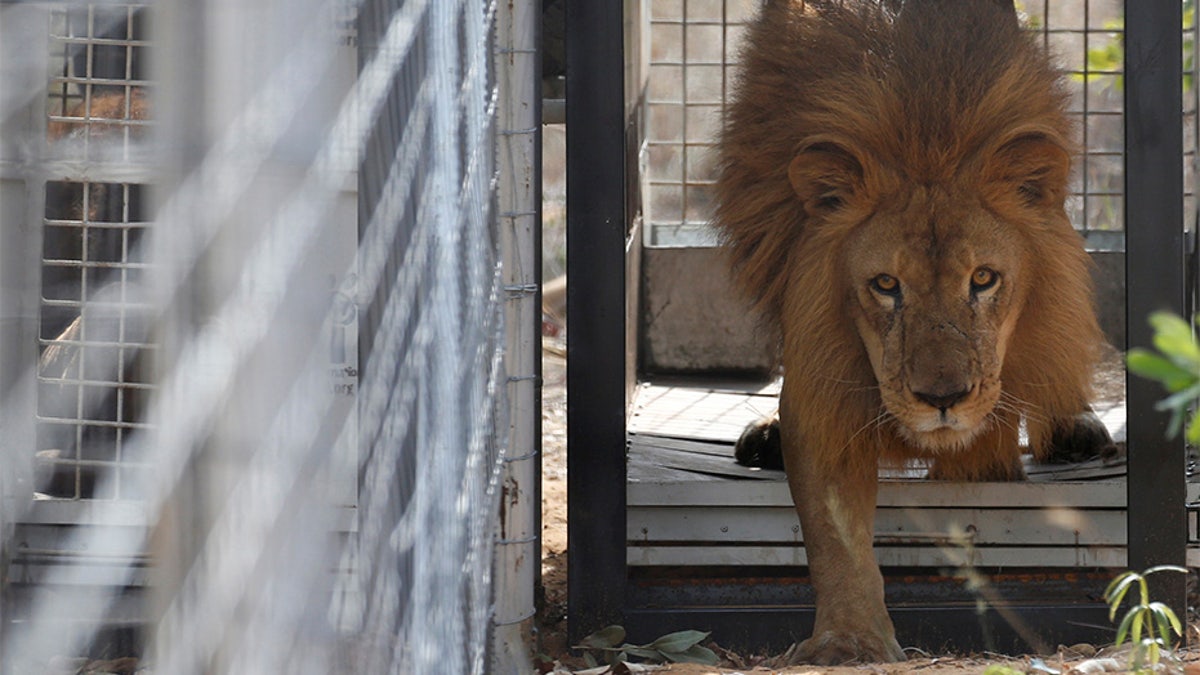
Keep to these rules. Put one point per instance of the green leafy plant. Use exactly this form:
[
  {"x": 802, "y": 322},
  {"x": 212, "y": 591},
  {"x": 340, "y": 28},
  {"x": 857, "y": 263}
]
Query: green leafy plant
[
  {"x": 681, "y": 647},
  {"x": 1177, "y": 367},
  {"x": 1148, "y": 625}
]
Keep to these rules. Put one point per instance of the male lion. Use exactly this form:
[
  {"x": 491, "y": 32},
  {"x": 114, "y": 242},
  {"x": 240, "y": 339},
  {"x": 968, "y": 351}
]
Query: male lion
[{"x": 891, "y": 188}]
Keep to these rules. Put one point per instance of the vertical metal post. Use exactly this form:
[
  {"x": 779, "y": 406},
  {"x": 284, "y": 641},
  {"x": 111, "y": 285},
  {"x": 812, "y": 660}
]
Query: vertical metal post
[
  {"x": 22, "y": 207},
  {"x": 596, "y": 228},
  {"x": 519, "y": 184},
  {"x": 1157, "y": 528},
  {"x": 177, "y": 538}
]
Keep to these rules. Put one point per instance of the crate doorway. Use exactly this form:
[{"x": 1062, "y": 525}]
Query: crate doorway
[{"x": 665, "y": 533}]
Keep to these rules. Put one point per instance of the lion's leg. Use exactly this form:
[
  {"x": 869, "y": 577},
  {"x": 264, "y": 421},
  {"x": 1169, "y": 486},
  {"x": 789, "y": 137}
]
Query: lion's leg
[{"x": 837, "y": 515}]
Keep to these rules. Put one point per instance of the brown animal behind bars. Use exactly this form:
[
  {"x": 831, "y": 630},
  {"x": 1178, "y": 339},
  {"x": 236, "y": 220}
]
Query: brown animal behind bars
[{"x": 891, "y": 193}]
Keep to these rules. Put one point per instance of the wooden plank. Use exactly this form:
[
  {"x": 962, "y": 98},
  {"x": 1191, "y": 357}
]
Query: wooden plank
[
  {"x": 1095, "y": 469},
  {"x": 888, "y": 556},
  {"x": 916, "y": 494},
  {"x": 650, "y": 442},
  {"x": 932, "y": 526},
  {"x": 705, "y": 459},
  {"x": 643, "y": 468},
  {"x": 705, "y": 465}
]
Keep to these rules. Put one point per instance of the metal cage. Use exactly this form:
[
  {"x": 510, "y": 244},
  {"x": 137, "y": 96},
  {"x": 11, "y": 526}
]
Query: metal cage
[{"x": 639, "y": 120}]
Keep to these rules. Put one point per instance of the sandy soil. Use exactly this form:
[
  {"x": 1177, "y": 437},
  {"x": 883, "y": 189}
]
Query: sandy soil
[{"x": 552, "y": 623}]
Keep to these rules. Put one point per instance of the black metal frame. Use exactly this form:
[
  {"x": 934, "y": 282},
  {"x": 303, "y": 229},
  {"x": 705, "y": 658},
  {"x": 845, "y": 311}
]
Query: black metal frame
[
  {"x": 596, "y": 231},
  {"x": 1154, "y": 279},
  {"x": 599, "y": 587}
]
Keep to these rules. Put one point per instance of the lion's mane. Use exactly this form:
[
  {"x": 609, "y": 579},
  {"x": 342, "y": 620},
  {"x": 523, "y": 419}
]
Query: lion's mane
[{"x": 921, "y": 105}]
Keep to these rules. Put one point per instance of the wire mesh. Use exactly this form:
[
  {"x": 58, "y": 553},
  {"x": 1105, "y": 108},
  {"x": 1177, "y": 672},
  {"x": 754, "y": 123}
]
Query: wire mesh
[
  {"x": 93, "y": 378},
  {"x": 267, "y": 336},
  {"x": 693, "y": 54},
  {"x": 693, "y": 57},
  {"x": 98, "y": 82}
]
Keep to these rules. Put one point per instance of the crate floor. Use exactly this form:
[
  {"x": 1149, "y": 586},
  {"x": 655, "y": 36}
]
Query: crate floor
[
  {"x": 690, "y": 504},
  {"x": 683, "y": 429}
]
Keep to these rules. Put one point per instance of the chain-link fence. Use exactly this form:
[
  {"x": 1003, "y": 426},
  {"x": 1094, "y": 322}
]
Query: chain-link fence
[
  {"x": 255, "y": 397},
  {"x": 693, "y": 48}
]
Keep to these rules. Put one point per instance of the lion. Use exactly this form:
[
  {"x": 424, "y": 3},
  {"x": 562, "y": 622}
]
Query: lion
[{"x": 891, "y": 188}]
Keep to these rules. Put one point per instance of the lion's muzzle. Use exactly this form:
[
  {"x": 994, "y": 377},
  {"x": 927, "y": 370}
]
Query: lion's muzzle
[{"x": 942, "y": 401}]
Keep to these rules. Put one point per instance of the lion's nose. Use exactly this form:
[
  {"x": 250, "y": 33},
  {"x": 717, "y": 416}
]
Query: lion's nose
[{"x": 942, "y": 402}]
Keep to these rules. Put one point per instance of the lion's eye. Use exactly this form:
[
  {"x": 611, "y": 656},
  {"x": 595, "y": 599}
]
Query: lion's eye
[
  {"x": 982, "y": 279},
  {"x": 886, "y": 284}
]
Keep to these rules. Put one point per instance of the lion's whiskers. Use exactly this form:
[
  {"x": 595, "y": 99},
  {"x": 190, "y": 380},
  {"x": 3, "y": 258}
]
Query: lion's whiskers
[
  {"x": 876, "y": 422},
  {"x": 1013, "y": 403},
  {"x": 1003, "y": 420}
]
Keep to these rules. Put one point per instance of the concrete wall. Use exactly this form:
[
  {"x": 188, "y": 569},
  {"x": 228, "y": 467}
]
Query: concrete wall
[{"x": 693, "y": 321}]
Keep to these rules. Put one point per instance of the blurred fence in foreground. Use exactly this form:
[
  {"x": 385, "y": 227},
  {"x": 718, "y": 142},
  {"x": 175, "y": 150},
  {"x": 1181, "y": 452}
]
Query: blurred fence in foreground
[{"x": 254, "y": 408}]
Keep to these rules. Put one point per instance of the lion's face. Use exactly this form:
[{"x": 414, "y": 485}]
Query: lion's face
[{"x": 936, "y": 292}]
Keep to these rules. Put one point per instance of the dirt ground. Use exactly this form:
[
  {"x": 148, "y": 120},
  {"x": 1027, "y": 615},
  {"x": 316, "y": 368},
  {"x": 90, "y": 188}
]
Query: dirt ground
[
  {"x": 552, "y": 621},
  {"x": 556, "y": 655}
]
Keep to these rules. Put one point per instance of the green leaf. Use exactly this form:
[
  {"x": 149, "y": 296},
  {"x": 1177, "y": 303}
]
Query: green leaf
[
  {"x": 678, "y": 642},
  {"x": 1116, "y": 590},
  {"x": 1120, "y": 578},
  {"x": 1173, "y": 337},
  {"x": 1180, "y": 400},
  {"x": 1135, "y": 630},
  {"x": 694, "y": 654},
  {"x": 1150, "y": 365},
  {"x": 1164, "y": 630},
  {"x": 1123, "y": 629},
  {"x": 645, "y": 653},
  {"x": 1164, "y": 568},
  {"x": 1174, "y": 424},
  {"x": 590, "y": 660},
  {"x": 1167, "y": 617},
  {"x": 1193, "y": 430},
  {"x": 605, "y": 638}
]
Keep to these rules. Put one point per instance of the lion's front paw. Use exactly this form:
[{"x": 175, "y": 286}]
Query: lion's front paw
[
  {"x": 833, "y": 648},
  {"x": 1084, "y": 438},
  {"x": 759, "y": 445}
]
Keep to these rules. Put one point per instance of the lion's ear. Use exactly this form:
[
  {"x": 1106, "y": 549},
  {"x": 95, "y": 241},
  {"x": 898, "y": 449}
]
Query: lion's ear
[
  {"x": 1035, "y": 166},
  {"x": 825, "y": 176}
]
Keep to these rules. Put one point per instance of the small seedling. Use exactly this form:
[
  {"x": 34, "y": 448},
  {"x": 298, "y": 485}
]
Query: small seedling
[
  {"x": 683, "y": 647},
  {"x": 1155, "y": 619}
]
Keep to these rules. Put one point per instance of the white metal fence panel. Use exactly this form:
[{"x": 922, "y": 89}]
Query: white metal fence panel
[{"x": 252, "y": 326}]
